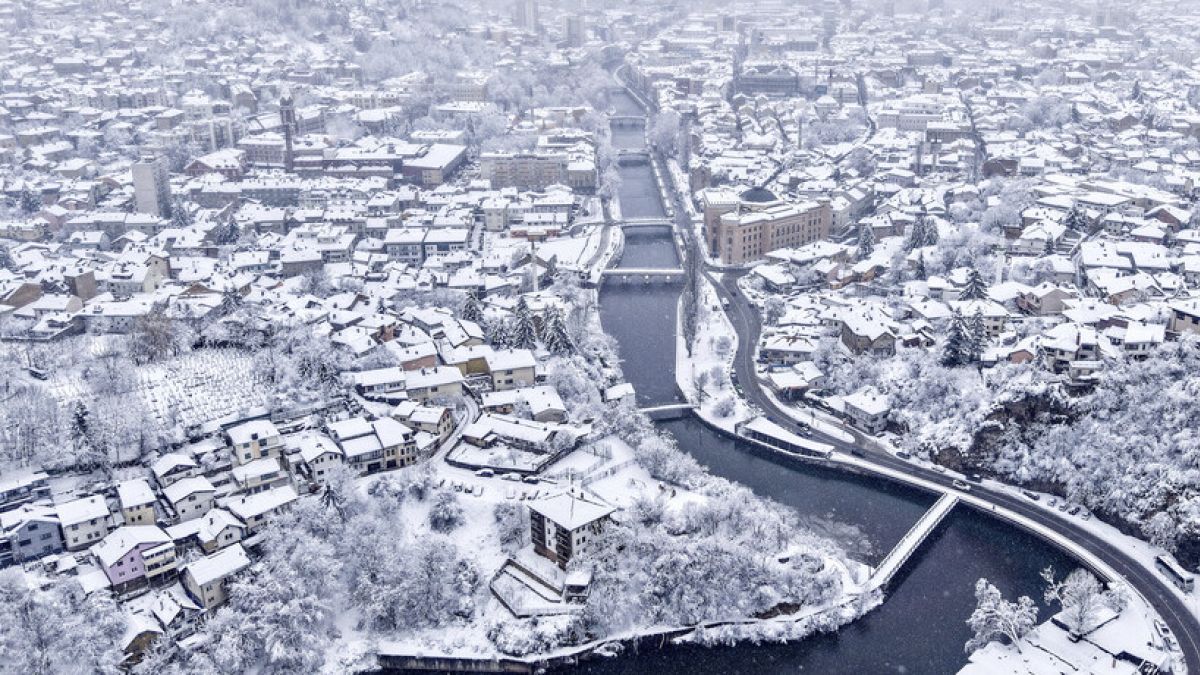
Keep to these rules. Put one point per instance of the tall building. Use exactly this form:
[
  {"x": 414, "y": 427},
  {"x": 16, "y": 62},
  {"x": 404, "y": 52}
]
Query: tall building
[
  {"x": 151, "y": 189},
  {"x": 576, "y": 34},
  {"x": 525, "y": 15},
  {"x": 287, "y": 118}
]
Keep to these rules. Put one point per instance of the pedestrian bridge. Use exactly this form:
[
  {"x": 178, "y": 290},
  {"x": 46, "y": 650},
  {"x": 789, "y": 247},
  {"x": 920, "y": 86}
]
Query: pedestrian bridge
[
  {"x": 671, "y": 411},
  {"x": 912, "y": 540},
  {"x": 640, "y": 275}
]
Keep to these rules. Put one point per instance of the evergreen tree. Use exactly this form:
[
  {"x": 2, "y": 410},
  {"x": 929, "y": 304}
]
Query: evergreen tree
[
  {"x": 976, "y": 337},
  {"x": 81, "y": 425},
  {"x": 1136, "y": 94},
  {"x": 1075, "y": 220},
  {"x": 181, "y": 216},
  {"x": 930, "y": 232},
  {"x": 499, "y": 334},
  {"x": 554, "y": 333},
  {"x": 524, "y": 334},
  {"x": 976, "y": 288},
  {"x": 1049, "y": 250},
  {"x": 866, "y": 241},
  {"x": 957, "y": 348},
  {"x": 916, "y": 234},
  {"x": 30, "y": 203},
  {"x": 921, "y": 272},
  {"x": 471, "y": 311}
]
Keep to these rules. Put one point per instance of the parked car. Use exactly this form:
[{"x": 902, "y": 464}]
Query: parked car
[
  {"x": 1031, "y": 494},
  {"x": 975, "y": 478},
  {"x": 903, "y": 454}
]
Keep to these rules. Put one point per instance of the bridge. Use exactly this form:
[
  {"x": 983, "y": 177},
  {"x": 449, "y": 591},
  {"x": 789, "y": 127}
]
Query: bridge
[
  {"x": 672, "y": 411},
  {"x": 626, "y": 121},
  {"x": 632, "y": 157},
  {"x": 644, "y": 275},
  {"x": 912, "y": 540},
  {"x": 639, "y": 223}
]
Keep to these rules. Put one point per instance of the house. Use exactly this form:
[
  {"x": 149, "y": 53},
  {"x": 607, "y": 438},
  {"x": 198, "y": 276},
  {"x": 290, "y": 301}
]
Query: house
[
  {"x": 29, "y": 532},
  {"x": 371, "y": 446},
  {"x": 511, "y": 368},
  {"x": 380, "y": 381},
  {"x": 258, "y": 475},
  {"x": 84, "y": 521},
  {"x": 564, "y": 525},
  {"x": 1045, "y": 299},
  {"x": 786, "y": 350},
  {"x": 491, "y": 429},
  {"x": 173, "y": 467},
  {"x": 867, "y": 335},
  {"x": 256, "y": 439},
  {"x": 868, "y": 409},
  {"x": 213, "y": 531},
  {"x": 256, "y": 509},
  {"x": 207, "y": 579},
  {"x": 133, "y": 555},
  {"x": 137, "y": 502},
  {"x": 174, "y": 610},
  {"x": 1185, "y": 317},
  {"x": 190, "y": 497},
  {"x": 542, "y": 403},
  {"x": 313, "y": 456},
  {"x": 432, "y": 419},
  {"x": 439, "y": 382},
  {"x": 24, "y": 489}
]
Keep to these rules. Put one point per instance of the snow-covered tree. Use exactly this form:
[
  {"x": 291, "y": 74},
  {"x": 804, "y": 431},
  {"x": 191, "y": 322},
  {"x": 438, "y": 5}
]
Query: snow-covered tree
[
  {"x": 554, "y": 332},
  {"x": 975, "y": 288},
  {"x": 524, "y": 333},
  {"x": 471, "y": 311},
  {"x": 957, "y": 349},
  {"x": 57, "y": 630},
  {"x": 1080, "y": 597},
  {"x": 866, "y": 241},
  {"x": 994, "y": 617},
  {"x": 446, "y": 514},
  {"x": 1075, "y": 220}
]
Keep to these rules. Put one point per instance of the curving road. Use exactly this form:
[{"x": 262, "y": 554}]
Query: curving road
[{"x": 1155, "y": 588}]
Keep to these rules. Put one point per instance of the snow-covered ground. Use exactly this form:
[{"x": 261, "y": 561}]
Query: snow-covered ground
[
  {"x": 704, "y": 374},
  {"x": 188, "y": 391},
  {"x": 1048, "y": 650}
]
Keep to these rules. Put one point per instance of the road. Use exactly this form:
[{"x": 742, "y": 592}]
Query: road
[{"x": 1155, "y": 588}]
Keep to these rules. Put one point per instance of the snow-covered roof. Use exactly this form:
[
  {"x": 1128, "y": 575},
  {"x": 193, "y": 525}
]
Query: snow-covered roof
[
  {"x": 218, "y": 565},
  {"x": 572, "y": 509}
]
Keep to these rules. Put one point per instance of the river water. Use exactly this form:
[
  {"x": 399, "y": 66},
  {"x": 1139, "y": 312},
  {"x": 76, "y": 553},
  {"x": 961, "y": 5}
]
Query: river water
[{"x": 920, "y": 629}]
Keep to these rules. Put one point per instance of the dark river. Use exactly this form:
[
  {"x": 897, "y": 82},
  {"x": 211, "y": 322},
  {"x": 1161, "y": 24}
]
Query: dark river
[{"x": 920, "y": 629}]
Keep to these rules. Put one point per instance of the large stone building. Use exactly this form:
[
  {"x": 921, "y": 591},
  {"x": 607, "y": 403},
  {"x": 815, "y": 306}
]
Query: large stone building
[{"x": 743, "y": 228}]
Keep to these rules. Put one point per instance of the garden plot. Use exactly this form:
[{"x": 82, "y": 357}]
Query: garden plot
[{"x": 188, "y": 391}]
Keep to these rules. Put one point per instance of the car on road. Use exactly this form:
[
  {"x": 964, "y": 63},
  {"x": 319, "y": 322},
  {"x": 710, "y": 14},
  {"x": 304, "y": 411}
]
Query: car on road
[
  {"x": 857, "y": 452},
  {"x": 725, "y": 303},
  {"x": 962, "y": 485},
  {"x": 975, "y": 478}
]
